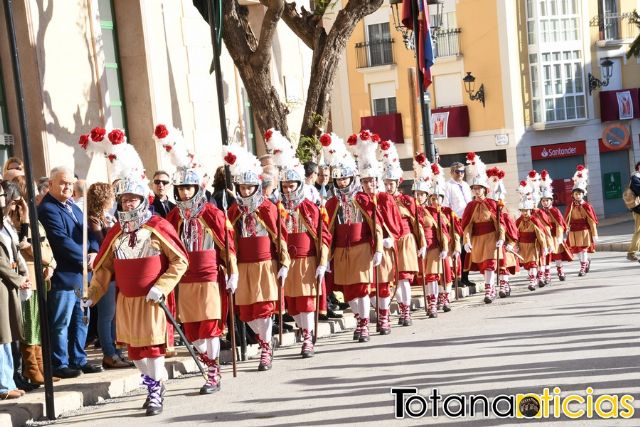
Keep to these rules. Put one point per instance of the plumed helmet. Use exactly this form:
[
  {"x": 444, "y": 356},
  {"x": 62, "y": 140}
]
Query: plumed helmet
[{"x": 422, "y": 173}]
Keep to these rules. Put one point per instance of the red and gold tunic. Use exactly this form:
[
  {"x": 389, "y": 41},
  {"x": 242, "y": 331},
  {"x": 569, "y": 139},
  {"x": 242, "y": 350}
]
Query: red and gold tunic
[
  {"x": 202, "y": 300},
  {"x": 509, "y": 263},
  {"x": 411, "y": 237},
  {"x": 455, "y": 238},
  {"x": 303, "y": 224},
  {"x": 558, "y": 226},
  {"x": 480, "y": 227},
  {"x": 437, "y": 228},
  {"x": 153, "y": 255},
  {"x": 582, "y": 224},
  {"x": 392, "y": 226},
  {"x": 532, "y": 240},
  {"x": 258, "y": 259},
  {"x": 355, "y": 238}
]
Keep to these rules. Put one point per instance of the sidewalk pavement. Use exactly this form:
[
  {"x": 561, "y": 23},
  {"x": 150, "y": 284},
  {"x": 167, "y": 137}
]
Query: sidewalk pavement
[
  {"x": 615, "y": 233},
  {"x": 89, "y": 389},
  {"x": 73, "y": 394}
]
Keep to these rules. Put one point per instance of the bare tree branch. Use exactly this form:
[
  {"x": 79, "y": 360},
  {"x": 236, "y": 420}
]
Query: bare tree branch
[
  {"x": 262, "y": 55},
  {"x": 302, "y": 23},
  {"x": 240, "y": 40}
]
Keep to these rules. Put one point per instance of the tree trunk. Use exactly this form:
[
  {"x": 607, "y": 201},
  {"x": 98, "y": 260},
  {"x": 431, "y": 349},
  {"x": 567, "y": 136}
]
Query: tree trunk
[
  {"x": 268, "y": 111},
  {"x": 327, "y": 51}
]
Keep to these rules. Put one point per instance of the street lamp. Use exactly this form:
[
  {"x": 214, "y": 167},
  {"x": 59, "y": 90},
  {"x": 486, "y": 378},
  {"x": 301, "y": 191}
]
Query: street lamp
[
  {"x": 469, "y": 85},
  {"x": 407, "y": 34},
  {"x": 410, "y": 36},
  {"x": 607, "y": 71}
]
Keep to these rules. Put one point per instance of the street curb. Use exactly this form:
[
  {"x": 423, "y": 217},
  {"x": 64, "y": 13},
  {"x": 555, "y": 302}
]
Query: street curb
[
  {"x": 613, "y": 247},
  {"x": 86, "y": 390}
]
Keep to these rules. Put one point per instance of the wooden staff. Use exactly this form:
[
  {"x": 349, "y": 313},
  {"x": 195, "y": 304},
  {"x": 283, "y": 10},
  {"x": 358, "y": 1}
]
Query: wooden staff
[
  {"x": 498, "y": 250},
  {"x": 375, "y": 269},
  {"x": 442, "y": 279},
  {"x": 456, "y": 279},
  {"x": 280, "y": 285},
  {"x": 232, "y": 309},
  {"x": 319, "y": 280},
  {"x": 421, "y": 262}
]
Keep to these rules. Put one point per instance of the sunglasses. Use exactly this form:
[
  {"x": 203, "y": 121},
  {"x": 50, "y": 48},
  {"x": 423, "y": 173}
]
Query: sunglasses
[
  {"x": 459, "y": 171},
  {"x": 159, "y": 181}
]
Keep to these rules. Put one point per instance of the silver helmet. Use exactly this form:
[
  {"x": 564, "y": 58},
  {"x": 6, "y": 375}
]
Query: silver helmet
[
  {"x": 293, "y": 174},
  {"x": 183, "y": 177},
  {"x": 134, "y": 219}
]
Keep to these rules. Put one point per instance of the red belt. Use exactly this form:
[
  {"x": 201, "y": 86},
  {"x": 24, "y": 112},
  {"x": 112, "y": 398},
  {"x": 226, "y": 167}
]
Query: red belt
[
  {"x": 300, "y": 245},
  {"x": 255, "y": 249},
  {"x": 579, "y": 224},
  {"x": 527, "y": 237},
  {"x": 480, "y": 228},
  {"x": 347, "y": 235},
  {"x": 203, "y": 267},
  {"x": 406, "y": 226},
  {"x": 134, "y": 277}
]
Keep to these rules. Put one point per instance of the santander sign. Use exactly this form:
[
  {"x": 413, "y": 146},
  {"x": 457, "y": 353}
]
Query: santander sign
[{"x": 558, "y": 151}]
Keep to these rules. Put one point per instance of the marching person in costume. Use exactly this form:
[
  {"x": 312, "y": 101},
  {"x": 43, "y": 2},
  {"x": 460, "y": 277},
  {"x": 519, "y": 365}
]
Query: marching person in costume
[
  {"x": 532, "y": 244},
  {"x": 356, "y": 227},
  {"x": 509, "y": 264},
  {"x": 483, "y": 228},
  {"x": 308, "y": 241},
  {"x": 559, "y": 250},
  {"x": 582, "y": 222},
  {"x": 370, "y": 172},
  {"x": 202, "y": 301},
  {"x": 453, "y": 229},
  {"x": 261, "y": 249},
  {"x": 410, "y": 236},
  {"x": 147, "y": 259},
  {"x": 534, "y": 179},
  {"x": 436, "y": 222}
]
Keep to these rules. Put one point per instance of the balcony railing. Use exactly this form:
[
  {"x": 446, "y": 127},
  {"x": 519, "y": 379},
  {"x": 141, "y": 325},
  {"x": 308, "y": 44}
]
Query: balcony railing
[
  {"x": 446, "y": 42},
  {"x": 375, "y": 53},
  {"x": 613, "y": 27}
]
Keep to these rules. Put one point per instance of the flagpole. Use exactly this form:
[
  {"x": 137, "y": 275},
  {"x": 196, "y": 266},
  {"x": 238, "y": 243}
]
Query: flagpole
[
  {"x": 33, "y": 216},
  {"x": 429, "y": 147}
]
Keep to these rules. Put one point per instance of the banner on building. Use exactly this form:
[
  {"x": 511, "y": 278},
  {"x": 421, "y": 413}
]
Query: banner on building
[
  {"x": 439, "y": 124},
  {"x": 625, "y": 105}
]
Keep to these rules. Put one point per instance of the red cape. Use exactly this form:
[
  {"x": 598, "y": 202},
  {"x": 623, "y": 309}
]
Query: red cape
[
  {"x": 587, "y": 208},
  {"x": 471, "y": 208},
  {"x": 268, "y": 214},
  {"x": 158, "y": 225},
  {"x": 215, "y": 220},
  {"x": 555, "y": 214}
]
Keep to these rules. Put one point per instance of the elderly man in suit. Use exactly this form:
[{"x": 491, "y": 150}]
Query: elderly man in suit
[{"x": 62, "y": 220}]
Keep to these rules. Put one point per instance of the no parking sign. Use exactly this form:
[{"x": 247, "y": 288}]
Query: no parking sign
[{"x": 615, "y": 137}]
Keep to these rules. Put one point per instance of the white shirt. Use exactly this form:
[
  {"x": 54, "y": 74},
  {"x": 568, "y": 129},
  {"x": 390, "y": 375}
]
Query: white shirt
[
  {"x": 457, "y": 195},
  {"x": 311, "y": 193}
]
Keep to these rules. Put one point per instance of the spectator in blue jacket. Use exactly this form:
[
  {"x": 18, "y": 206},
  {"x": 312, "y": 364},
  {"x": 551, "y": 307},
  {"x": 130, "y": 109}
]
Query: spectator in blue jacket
[{"x": 62, "y": 220}]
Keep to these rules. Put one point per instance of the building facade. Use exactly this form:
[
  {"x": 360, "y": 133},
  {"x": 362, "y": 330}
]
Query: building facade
[
  {"x": 130, "y": 64},
  {"x": 533, "y": 59}
]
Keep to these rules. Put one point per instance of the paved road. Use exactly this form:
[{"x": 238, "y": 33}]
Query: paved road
[{"x": 580, "y": 333}]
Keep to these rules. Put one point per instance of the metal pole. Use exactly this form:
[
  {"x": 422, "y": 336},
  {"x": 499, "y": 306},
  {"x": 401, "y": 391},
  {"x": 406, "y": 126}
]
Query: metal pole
[
  {"x": 33, "y": 214},
  {"x": 213, "y": 26},
  {"x": 429, "y": 147}
]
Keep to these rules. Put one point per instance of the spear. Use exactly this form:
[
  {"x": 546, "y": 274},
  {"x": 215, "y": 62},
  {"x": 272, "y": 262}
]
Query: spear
[
  {"x": 232, "y": 308},
  {"x": 319, "y": 281},
  {"x": 421, "y": 262}
]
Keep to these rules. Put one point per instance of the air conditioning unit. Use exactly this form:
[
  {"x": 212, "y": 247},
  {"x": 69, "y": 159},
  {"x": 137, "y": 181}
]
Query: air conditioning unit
[{"x": 6, "y": 139}]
